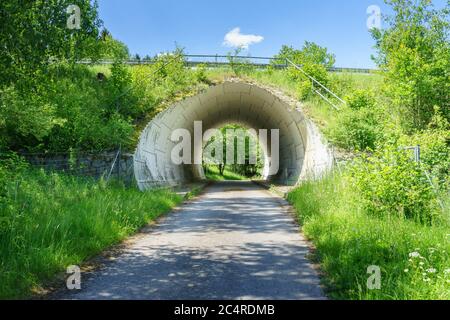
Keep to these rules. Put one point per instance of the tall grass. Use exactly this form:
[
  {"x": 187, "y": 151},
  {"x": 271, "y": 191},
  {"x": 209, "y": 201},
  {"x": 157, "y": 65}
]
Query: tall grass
[
  {"x": 51, "y": 221},
  {"x": 414, "y": 258}
]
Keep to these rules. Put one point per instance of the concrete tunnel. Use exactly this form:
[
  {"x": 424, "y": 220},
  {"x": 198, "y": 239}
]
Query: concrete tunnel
[{"x": 303, "y": 153}]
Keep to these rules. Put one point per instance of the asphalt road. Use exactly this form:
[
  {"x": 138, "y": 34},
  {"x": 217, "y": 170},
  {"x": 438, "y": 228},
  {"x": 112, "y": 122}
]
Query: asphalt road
[{"x": 235, "y": 241}]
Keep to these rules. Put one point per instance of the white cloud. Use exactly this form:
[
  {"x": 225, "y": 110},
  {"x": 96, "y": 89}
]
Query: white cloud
[{"x": 236, "y": 39}]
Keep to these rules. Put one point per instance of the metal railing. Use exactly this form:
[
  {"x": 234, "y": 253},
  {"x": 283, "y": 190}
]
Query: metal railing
[
  {"x": 317, "y": 87},
  {"x": 193, "y": 60},
  {"x": 314, "y": 83}
]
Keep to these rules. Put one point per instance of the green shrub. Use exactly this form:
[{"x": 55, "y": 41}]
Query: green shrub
[
  {"x": 200, "y": 73},
  {"x": 354, "y": 129},
  {"x": 361, "y": 99},
  {"x": 26, "y": 116},
  {"x": 305, "y": 87},
  {"x": 391, "y": 183},
  {"x": 435, "y": 149}
]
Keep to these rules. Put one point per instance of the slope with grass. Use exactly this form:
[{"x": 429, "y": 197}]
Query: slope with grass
[
  {"x": 414, "y": 258},
  {"x": 49, "y": 221}
]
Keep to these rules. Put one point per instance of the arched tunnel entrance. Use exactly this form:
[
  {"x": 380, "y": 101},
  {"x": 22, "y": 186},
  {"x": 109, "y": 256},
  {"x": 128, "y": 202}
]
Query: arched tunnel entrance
[{"x": 302, "y": 152}]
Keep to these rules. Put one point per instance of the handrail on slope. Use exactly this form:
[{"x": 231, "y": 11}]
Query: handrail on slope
[{"x": 315, "y": 81}]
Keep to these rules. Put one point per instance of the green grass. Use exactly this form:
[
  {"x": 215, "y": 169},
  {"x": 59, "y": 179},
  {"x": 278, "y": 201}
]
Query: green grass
[
  {"x": 213, "y": 174},
  {"x": 348, "y": 241},
  {"x": 51, "y": 221}
]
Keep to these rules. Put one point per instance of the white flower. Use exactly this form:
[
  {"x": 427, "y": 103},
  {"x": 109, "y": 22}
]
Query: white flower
[
  {"x": 431, "y": 270},
  {"x": 406, "y": 270},
  {"x": 414, "y": 254}
]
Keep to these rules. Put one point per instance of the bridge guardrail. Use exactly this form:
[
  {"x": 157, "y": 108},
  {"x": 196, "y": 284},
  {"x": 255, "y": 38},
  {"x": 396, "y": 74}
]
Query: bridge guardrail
[{"x": 194, "y": 60}]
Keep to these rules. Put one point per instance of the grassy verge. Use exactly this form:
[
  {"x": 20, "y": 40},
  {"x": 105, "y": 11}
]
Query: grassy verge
[
  {"x": 51, "y": 221},
  {"x": 414, "y": 258},
  {"x": 213, "y": 174}
]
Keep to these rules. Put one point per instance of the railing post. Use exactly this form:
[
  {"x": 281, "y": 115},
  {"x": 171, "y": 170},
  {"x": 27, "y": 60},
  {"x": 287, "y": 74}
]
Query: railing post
[{"x": 118, "y": 161}]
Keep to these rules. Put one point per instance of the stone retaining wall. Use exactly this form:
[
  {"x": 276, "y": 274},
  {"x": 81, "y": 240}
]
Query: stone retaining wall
[{"x": 88, "y": 165}]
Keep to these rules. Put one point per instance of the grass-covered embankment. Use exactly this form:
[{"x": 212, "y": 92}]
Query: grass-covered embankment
[
  {"x": 49, "y": 221},
  {"x": 413, "y": 257}
]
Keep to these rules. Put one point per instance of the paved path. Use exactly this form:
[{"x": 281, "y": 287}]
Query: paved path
[{"x": 236, "y": 241}]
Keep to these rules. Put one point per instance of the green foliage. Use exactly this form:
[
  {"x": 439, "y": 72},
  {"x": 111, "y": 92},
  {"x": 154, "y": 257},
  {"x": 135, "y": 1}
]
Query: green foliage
[
  {"x": 306, "y": 87},
  {"x": 391, "y": 183},
  {"x": 414, "y": 53},
  {"x": 69, "y": 108},
  {"x": 356, "y": 127},
  {"x": 91, "y": 119},
  {"x": 435, "y": 149},
  {"x": 348, "y": 241},
  {"x": 235, "y": 169},
  {"x": 122, "y": 98},
  {"x": 49, "y": 221},
  {"x": 111, "y": 48},
  {"x": 200, "y": 74},
  {"x": 47, "y": 101},
  {"x": 314, "y": 60},
  {"x": 361, "y": 99},
  {"x": 25, "y": 116},
  {"x": 311, "y": 53},
  {"x": 213, "y": 173},
  {"x": 33, "y": 33},
  {"x": 356, "y": 130}
]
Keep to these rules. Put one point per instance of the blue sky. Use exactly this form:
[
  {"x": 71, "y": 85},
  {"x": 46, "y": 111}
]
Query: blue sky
[{"x": 151, "y": 27}]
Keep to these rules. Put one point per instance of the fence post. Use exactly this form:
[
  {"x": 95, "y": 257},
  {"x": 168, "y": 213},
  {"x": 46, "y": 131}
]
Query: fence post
[{"x": 118, "y": 161}]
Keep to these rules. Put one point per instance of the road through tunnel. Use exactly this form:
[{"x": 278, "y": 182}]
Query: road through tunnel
[{"x": 302, "y": 152}]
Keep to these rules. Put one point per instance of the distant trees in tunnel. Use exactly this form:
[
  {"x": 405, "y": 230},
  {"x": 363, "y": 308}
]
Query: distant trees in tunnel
[{"x": 246, "y": 160}]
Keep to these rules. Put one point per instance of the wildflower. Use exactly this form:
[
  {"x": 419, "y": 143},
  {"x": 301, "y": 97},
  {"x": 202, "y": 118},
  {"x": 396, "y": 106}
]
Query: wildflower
[
  {"x": 406, "y": 270},
  {"x": 431, "y": 270},
  {"x": 414, "y": 254}
]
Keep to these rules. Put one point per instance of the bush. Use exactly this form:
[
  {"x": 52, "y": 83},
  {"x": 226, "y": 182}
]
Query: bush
[
  {"x": 318, "y": 72},
  {"x": 391, "y": 183},
  {"x": 435, "y": 149},
  {"x": 200, "y": 73},
  {"x": 356, "y": 130},
  {"x": 360, "y": 99},
  {"x": 25, "y": 117}
]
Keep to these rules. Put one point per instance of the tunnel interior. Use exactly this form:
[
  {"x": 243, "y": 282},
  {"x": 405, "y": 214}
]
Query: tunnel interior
[{"x": 303, "y": 154}]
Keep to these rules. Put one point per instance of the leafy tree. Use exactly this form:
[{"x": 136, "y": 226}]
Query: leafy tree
[
  {"x": 33, "y": 33},
  {"x": 247, "y": 169},
  {"x": 311, "y": 53},
  {"x": 414, "y": 53},
  {"x": 313, "y": 59},
  {"x": 111, "y": 48}
]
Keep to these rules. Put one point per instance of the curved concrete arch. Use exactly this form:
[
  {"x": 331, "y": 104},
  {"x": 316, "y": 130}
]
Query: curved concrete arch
[{"x": 303, "y": 154}]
